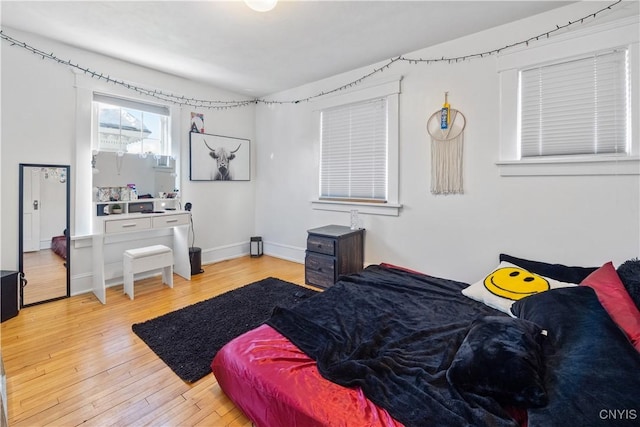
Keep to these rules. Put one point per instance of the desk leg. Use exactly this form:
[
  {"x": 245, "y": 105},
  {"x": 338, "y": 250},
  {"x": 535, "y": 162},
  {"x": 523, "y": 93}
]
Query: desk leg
[
  {"x": 99, "y": 288},
  {"x": 181, "y": 262}
]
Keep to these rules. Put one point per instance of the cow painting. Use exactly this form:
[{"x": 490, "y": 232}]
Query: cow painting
[
  {"x": 219, "y": 158},
  {"x": 223, "y": 158}
]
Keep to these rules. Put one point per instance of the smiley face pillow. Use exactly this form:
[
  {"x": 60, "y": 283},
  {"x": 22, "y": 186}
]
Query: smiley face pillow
[{"x": 509, "y": 283}]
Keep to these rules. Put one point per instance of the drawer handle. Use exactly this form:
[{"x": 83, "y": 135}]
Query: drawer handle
[
  {"x": 171, "y": 220},
  {"x": 128, "y": 225}
]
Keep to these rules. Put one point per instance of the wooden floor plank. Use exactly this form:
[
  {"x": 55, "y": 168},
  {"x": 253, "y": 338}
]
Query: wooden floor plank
[
  {"x": 76, "y": 361},
  {"x": 46, "y": 274},
  {"x": 212, "y": 419}
]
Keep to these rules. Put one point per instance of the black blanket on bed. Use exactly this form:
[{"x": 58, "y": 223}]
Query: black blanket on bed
[
  {"x": 394, "y": 334},
  {"x": 592, "y": 370}
]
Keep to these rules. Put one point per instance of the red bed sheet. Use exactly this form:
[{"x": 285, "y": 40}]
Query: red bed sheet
[
  {"x": 275, "y": 384},
  {"x": 59, "y": 246}
]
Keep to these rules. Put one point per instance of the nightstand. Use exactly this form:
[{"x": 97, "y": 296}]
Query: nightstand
[{"x": 333, "y": 250}]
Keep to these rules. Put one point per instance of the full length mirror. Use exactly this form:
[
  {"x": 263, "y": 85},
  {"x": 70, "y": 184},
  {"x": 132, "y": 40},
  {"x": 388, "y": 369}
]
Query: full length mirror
[{"x": 44, "y": 232}]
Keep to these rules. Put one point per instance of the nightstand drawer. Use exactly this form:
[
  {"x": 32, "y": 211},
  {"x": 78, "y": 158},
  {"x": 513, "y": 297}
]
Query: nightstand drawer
[
  {"x": 321, "y": 245},
  {"x": 320, "y": 270}
]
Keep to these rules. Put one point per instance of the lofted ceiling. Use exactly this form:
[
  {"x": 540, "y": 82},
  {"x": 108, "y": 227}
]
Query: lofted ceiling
[{"x": 228, "y": 45}]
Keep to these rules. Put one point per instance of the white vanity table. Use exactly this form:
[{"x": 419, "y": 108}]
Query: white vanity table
[{"x": 112, "y": 229}]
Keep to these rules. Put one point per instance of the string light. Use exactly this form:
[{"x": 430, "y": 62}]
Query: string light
[
  {"x": 526, "y": 42},
  {"x": 183, "y": 101}
]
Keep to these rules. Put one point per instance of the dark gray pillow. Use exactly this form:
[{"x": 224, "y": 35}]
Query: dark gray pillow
[
  {"x": 501, "y": 357},
  {"x": 563, "y": 273},
  {"x": 629, "y": 273}
]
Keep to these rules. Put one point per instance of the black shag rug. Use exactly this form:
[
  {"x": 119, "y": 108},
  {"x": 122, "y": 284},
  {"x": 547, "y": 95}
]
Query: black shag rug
[{"x": 188, "y": 339}]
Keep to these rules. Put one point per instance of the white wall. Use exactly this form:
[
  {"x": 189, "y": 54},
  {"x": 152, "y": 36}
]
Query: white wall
[
  {"x": 580, "y": 220},
  {"x": 39, "y": 125}
]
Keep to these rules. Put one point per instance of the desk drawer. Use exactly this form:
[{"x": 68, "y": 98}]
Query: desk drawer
[
  {"x": 170, "y": 220},
  {"x": 124, "y": 225},
  {"x": 320, "y": 270},
  {"x": 321, "y": 245}
]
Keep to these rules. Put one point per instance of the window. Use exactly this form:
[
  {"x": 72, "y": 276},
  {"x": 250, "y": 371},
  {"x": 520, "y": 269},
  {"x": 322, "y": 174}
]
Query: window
[
  {"x": 358, "y": 149},
  {"x": 353, "y": 165},
  {"x": 567, "y": 104},
  {"x": 576, "y": 107},
  {"x": 127, "y": 126}
]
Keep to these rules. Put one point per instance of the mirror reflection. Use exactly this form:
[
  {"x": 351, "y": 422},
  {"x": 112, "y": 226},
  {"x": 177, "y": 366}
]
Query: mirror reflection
[
  {"x": 151, "y": 175},
  {"x": 44, "y": 236}
]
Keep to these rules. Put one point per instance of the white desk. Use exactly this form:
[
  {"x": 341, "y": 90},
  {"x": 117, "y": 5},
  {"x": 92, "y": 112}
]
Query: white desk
[{"x": 106, "y": 226}]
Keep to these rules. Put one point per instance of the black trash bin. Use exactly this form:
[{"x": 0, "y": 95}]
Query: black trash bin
[
  {"x": 9, "y": 294},
  {"x": 195, "y": 256}
]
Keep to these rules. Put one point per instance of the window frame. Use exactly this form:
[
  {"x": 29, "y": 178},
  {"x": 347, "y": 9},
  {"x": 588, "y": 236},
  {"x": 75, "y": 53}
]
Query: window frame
[
  {"x": 389, "y": 89},
  {"x": 619, "y": 34}
]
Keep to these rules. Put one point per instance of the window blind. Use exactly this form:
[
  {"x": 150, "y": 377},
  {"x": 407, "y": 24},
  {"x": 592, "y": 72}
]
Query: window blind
[
  {"x": 575, "y": 107},
  {"x": 354, "y": 151}
]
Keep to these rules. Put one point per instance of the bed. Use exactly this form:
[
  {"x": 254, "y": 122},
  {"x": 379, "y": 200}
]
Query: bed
[
  {"x": 59, "y": 245},
  {"x": 392, "y": 347}
]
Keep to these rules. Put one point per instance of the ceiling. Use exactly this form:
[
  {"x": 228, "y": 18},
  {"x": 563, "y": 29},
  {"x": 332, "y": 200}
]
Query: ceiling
[{"x": 228, "y": 45}]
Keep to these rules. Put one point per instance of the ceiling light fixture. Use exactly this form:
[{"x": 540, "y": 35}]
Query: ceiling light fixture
[{"x": 261, "y": 5}]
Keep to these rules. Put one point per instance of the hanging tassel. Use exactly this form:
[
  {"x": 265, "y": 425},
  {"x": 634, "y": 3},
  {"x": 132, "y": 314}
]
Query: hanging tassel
[
  {"x": 446, "y": 165},
  {"x": 447, "y": 151}
]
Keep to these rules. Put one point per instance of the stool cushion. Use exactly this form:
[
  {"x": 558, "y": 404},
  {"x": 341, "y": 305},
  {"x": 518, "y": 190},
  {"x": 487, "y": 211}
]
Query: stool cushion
[{"x": 147, "y": 251}]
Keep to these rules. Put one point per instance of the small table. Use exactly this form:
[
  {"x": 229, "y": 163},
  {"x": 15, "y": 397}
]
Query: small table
[{"x": 333, "y": 250}]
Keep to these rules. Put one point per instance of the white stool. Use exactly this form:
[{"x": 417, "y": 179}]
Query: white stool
[{"x": 145, "y": 259}]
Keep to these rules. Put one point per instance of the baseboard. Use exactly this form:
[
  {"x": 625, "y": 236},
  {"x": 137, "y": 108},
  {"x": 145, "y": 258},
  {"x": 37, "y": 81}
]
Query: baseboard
[
  {"x": 286, "y": 252},
  {"x": 223, "y": 253},
  {"x": 83, "y": 282}
]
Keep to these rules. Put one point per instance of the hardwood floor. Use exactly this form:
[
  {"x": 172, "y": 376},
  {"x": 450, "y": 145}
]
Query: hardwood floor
[
  {"x": 76, "y": 361},
  {"x": 46, "y": 275}
]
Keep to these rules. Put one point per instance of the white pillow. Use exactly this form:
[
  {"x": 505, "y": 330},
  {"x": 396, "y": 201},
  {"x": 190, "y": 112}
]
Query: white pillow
[{"x": 509, "y": 283}]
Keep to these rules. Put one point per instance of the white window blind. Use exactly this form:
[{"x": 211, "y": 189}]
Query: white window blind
[
  {"x": 575, "y": 107},
  {"x": 354, "y": 152}
]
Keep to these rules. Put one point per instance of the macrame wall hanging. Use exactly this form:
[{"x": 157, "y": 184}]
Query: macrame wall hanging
[{"x": 446, "y": 128}]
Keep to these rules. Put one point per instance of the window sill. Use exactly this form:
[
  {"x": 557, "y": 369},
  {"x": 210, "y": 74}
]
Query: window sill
[
  {"x": 570, "y": 167},
  {"x": 388, "y": 209}
]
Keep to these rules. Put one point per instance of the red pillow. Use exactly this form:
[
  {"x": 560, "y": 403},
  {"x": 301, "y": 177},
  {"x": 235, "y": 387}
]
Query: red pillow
[
  {"x": 616, "y": 300},
  {"x": 397, "y": 267}
]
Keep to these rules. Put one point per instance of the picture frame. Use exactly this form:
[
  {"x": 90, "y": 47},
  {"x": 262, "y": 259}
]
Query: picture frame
[{"x": 219, "y": 158}]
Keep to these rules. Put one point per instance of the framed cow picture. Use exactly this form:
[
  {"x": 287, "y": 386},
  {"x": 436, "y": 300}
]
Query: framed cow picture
[{"x": 219, "y": 158}]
